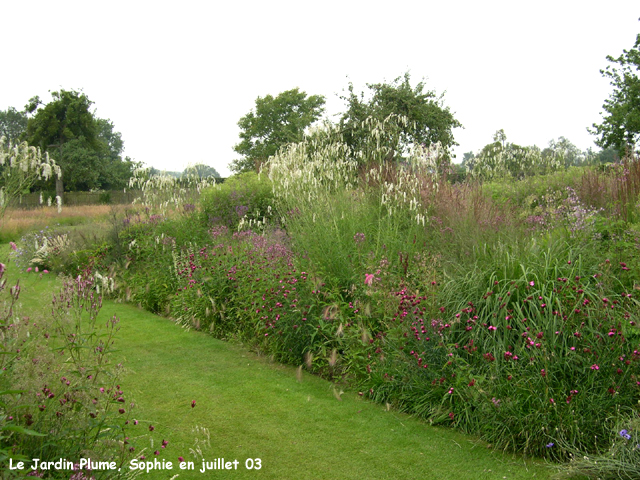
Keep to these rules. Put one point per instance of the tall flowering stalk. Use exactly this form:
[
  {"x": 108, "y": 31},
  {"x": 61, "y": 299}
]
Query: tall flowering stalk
[
  {"x": 160, "y": 193},
  {"x": 21, "y": 166}
]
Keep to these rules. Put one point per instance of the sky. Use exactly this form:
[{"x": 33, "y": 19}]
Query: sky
[{"x": 175, "y": 77}]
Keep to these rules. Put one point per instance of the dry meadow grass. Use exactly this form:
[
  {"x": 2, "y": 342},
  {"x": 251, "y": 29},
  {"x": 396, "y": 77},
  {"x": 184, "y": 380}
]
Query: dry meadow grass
[{"x": 16, "y": 222}]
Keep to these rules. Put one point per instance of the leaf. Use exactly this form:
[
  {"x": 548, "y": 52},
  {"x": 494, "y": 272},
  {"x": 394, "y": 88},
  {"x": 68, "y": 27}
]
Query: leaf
[{"x": 25, "y": 431}]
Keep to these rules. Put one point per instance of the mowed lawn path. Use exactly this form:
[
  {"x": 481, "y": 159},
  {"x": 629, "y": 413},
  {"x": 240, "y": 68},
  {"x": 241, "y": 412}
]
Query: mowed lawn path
[{"x": 256, "y": 409}]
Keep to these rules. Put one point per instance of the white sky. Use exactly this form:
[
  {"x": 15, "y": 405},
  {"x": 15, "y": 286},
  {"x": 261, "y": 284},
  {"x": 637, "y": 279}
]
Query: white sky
[{"x": 175, "y": 77}]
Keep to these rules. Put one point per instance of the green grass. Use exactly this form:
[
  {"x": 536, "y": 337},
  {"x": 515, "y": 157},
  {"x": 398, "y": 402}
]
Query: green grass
[{"x": 254, "y": 408}]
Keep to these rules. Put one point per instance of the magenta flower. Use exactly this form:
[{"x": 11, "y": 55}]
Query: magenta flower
[
  {"x": 368, "y": 278},
  {"x": 14, "y": 247},
  {"x": 595, "y": 367},
  {"x": 28, "y": 269},
  {"x": 193, "y": 403}
]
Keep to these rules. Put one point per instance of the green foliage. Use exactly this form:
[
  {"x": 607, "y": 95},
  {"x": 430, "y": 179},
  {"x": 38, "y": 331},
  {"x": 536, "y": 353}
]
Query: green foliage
[
  {"x": 244, "y": 198},
  {"x": 566, "y": 153},
  {"x": 201, "y": 170},
  {"x": 274, "y": 123},
  {"x": 12, "y": 124},
  {"x": 428, "y": 121},
  {"x": 620, "y": 127},
  {"x": 504, "y": 159},
  {"x": 87, "y": 148},
  {"x": 74, "y": 399},
  {"x": 21, "y": 167}
]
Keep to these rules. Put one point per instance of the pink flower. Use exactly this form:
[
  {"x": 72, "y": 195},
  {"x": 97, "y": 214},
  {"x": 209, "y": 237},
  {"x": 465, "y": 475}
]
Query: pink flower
[
  {"x": 368, "y": 278},
  {"x": 45, "y": 271},
  {"x": 37, "y": 270},
  {"x": 28, "y": 269},
  {"x": 595, "y": 367},
  {"x": 14, "y": 247},
  {"x": 193, "y": 403},
  {"x": 531, "y": 283}
]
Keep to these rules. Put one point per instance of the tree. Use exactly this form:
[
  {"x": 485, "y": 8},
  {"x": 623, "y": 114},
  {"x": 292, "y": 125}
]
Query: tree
[
  {"x": 565, "y": 152},
  {"x": 64, "y": 119},
  {"x": 620, "y": 127},
  {"x": 418, "y": 117},
  {"x": 87, "y": 148},
  {"x": 201, "y": 170},
  {"x": 504, "y": 159},
  {"x": 274, "y": 123},
  {"x": 114, "y": 171},
  {"x": 12, "y": 124}
]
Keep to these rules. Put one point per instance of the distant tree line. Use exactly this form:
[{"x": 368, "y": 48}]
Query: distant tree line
[
  {"x": 416, "y": 116},
  {"x": 87, "y": 148}
]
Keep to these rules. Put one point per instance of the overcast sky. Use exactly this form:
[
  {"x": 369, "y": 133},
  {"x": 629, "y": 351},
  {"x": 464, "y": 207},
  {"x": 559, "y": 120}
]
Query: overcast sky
[{"x": 175, "y": 77}]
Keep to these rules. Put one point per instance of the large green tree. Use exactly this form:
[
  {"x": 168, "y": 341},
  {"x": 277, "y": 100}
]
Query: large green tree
[
  {"x": 620, "y": 127},
  {"x": 87, "y": 148},
  {"x": 412, "y": 116},
  {"x": 274, "y": 123},
  {"x": 12, "y": 124}
]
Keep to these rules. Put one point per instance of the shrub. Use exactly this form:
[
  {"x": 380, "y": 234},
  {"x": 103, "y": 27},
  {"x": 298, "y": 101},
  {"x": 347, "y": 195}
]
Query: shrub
[{"x": 245, "y": 197}]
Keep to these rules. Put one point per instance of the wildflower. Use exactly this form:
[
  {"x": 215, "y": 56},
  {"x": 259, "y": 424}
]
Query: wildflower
[
  {"x": 549, "y": 445},
  {"x": 368, "y": 278},
  {"x": 181, "y": 459},
  {"x": 451, "y": 415},
  {"x": 532, "y": 283},
  {"x": 595, "y": 367},
  {"x": 151, "y": 428},
  {"x": 625, "y": 434},
  {"x": 193, "y": 403},
  {"x": 28, "y": 269},
  {"x": 14, "y": 247}
]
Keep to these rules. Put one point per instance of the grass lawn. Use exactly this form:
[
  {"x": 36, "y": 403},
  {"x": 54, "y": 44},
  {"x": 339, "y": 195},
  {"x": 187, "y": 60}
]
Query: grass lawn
[{"x": 255, "y": 409}]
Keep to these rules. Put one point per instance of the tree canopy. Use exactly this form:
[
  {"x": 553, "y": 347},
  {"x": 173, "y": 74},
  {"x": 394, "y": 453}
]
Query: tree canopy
[
  {"x": 12, "y": 124},
  {"x": 274, "y": 123},
  {"x": 201, "y": 170},
  {"x": 87, "y": 148},
  {"x": 417, "y": 116},
  {"x": 620, "y": 127}
]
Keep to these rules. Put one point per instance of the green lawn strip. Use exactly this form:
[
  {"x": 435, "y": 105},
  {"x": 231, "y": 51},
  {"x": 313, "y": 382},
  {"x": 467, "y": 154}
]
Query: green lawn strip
[{"x": 256, "y": 409}]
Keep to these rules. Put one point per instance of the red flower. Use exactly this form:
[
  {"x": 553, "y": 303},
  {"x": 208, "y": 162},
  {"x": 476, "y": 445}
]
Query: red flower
[{"x": 193, "y": 403}]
